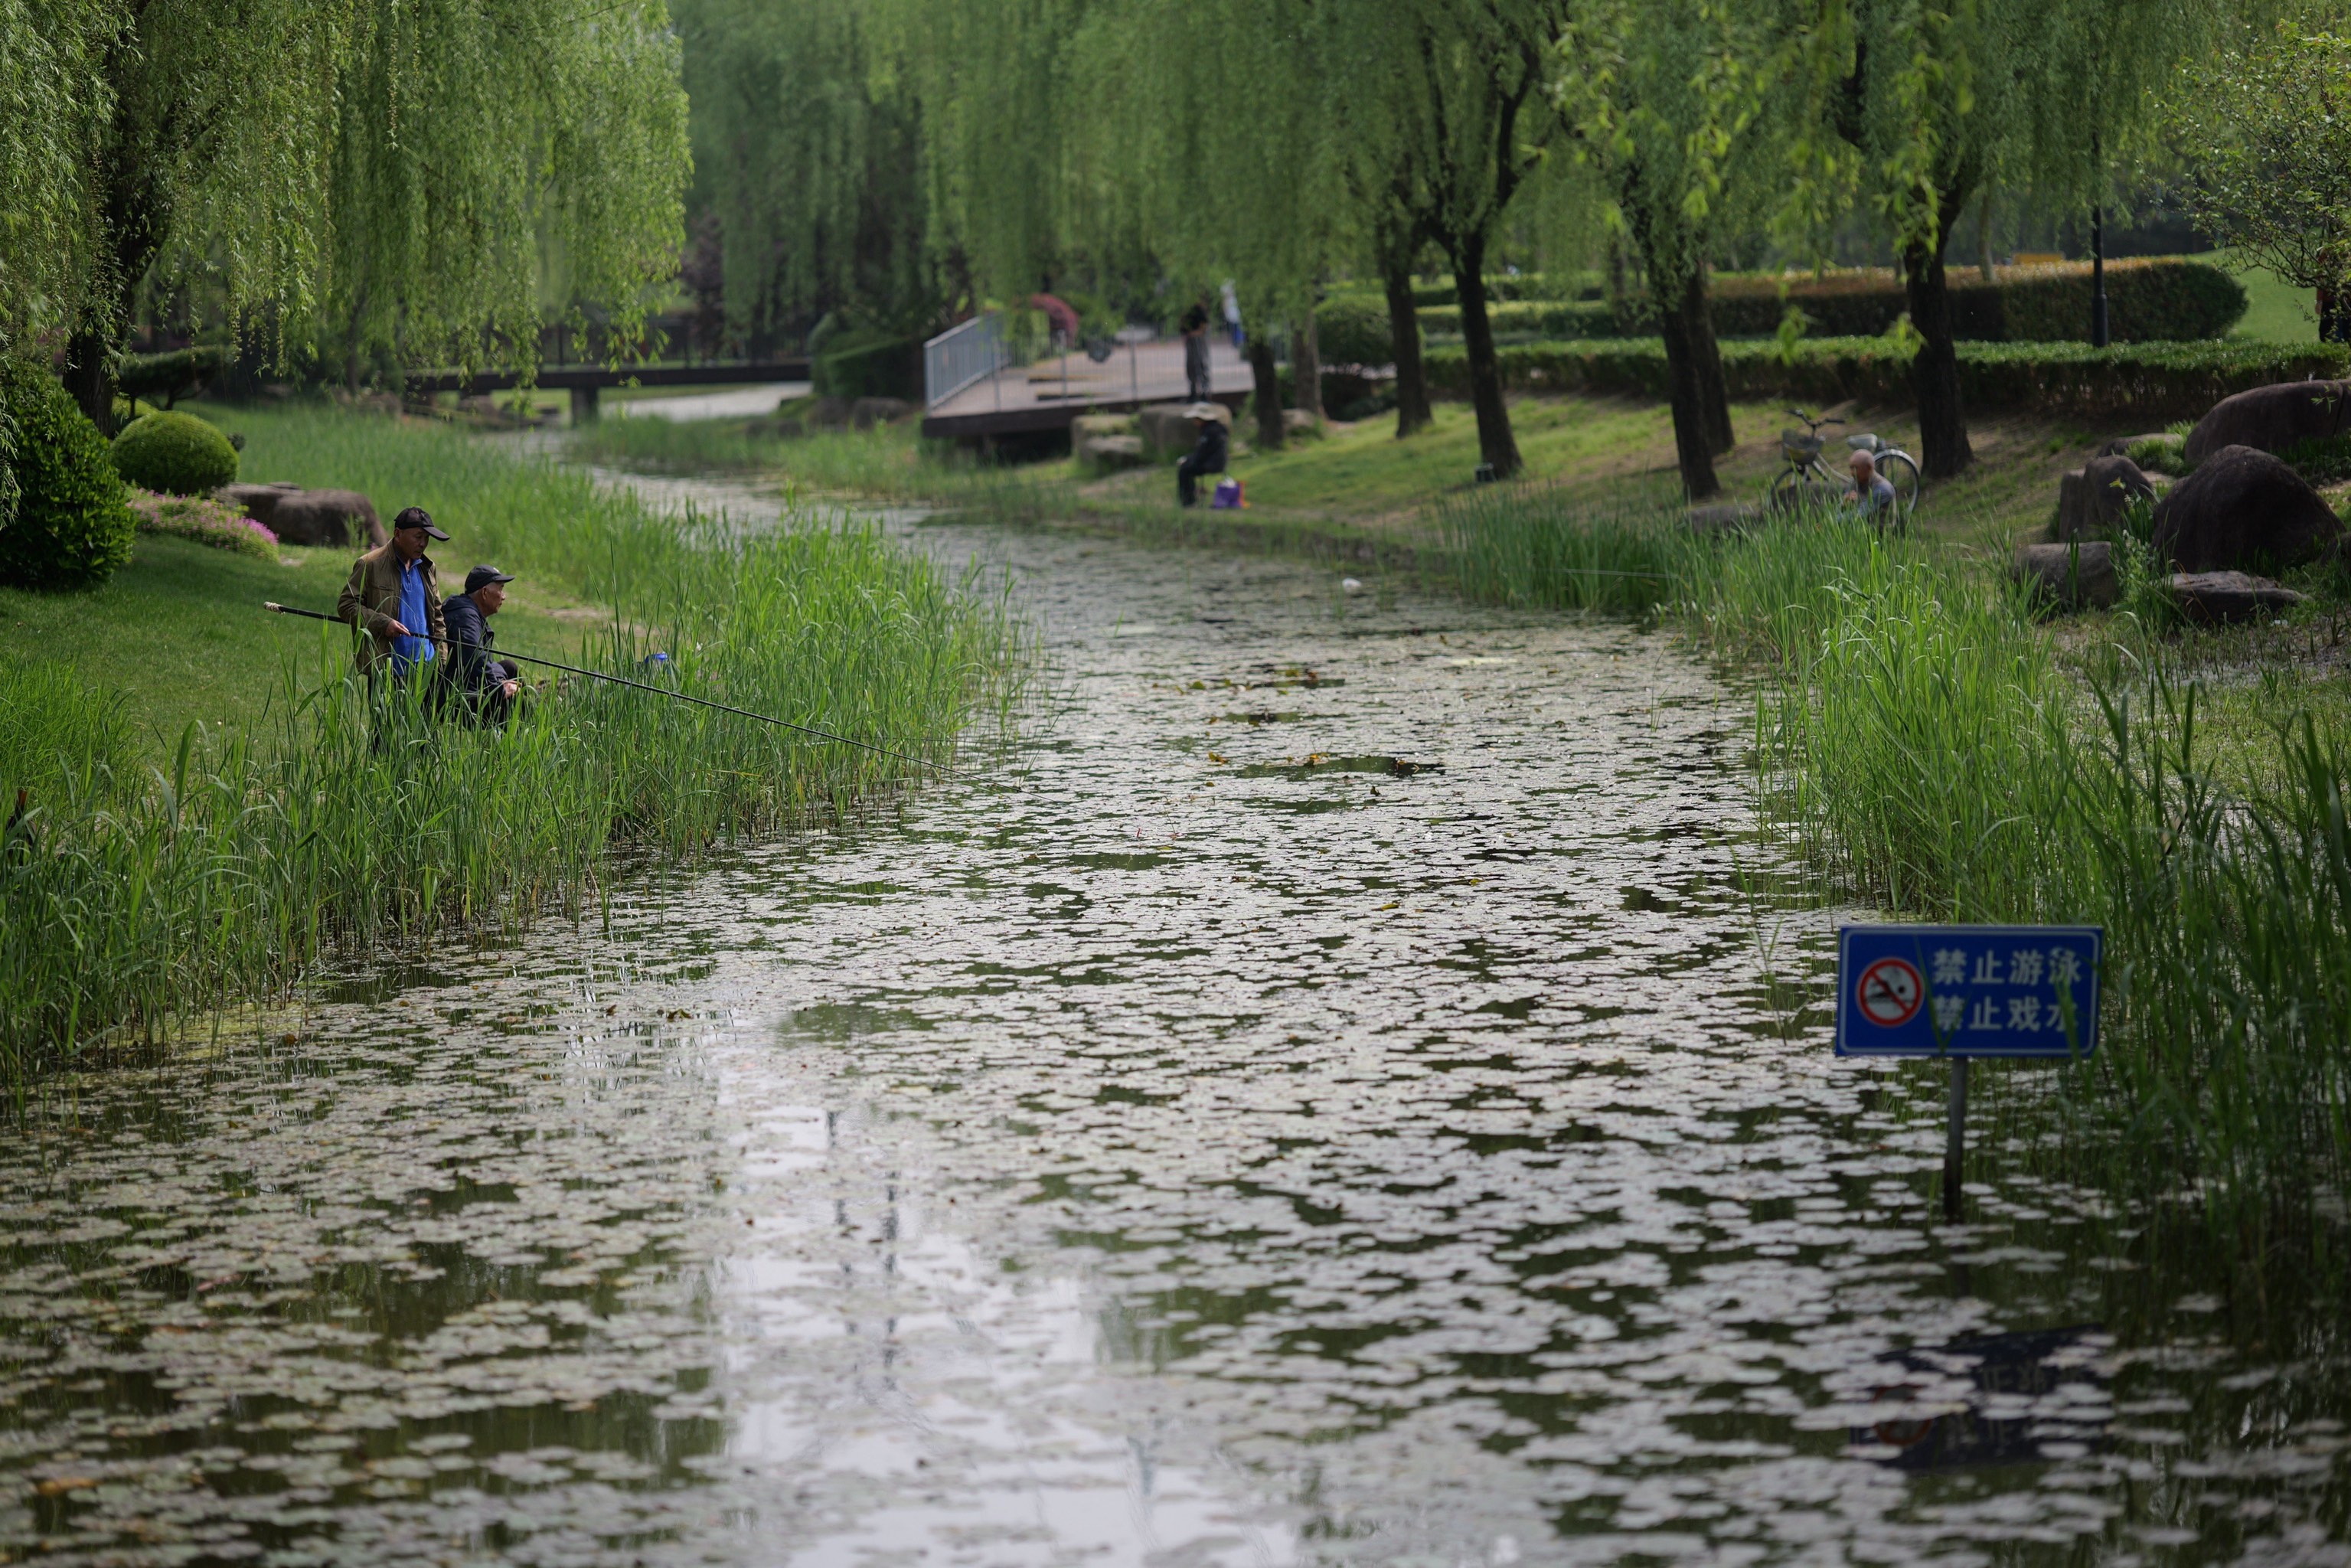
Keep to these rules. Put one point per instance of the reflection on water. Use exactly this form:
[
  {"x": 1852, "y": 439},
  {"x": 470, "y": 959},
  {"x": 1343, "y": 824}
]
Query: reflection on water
[{"x": 1198, "y": 1145}]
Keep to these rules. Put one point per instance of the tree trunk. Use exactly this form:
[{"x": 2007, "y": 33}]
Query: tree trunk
[
  {"x": 1266, "y": 393},
  {"x": 1495, "y": 441},
  {"x": 1693, "y": 448},
  {"x": 1935, "y": 374},
  {"x": 1404, "y": 343},
  {"x": 1706, "y": 363},
  {"x": 90, "y": 367},
  {"x": 1306, "y": 365}
]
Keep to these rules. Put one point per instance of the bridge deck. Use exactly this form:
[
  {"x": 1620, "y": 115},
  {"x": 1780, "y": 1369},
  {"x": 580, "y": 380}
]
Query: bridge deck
[{"x": 1050, "y": 393}]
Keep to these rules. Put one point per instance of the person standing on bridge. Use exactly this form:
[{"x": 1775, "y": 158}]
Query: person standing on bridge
[{"x": 1194, "y": 330}]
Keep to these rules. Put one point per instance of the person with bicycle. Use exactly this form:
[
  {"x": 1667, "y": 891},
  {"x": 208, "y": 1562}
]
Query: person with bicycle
[{"x": 1872, "y": 494}]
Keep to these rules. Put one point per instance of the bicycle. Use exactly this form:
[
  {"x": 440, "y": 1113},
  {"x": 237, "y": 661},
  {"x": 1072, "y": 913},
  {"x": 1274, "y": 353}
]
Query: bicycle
[{"x": 1807, "y": 477}]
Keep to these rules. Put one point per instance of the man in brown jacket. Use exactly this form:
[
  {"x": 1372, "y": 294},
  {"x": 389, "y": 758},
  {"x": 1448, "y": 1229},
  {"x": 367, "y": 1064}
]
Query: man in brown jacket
[{"x": 392, "y": 597}]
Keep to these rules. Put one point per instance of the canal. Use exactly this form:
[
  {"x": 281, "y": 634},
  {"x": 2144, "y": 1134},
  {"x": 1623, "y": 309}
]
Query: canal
[{"x": 1350, "y": 1085}]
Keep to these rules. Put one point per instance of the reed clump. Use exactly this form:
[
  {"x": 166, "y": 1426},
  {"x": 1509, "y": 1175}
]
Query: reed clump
[
  {"x": 133, "y": 893},
  {"x": 1921, "y": 741}
]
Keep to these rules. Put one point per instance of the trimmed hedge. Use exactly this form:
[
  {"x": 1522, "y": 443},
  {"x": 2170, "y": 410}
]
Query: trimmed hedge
[
  {"x": 176, "y": 454},
  {"x": 167, "y": 375},
  {"x": 2153, "y": 383},
  {"x": 2159, "y": 298},
  {"x": 70, "y": 526},
  {"x": 1524, "y": 285},
  {"x": 1354, "y": 331}
]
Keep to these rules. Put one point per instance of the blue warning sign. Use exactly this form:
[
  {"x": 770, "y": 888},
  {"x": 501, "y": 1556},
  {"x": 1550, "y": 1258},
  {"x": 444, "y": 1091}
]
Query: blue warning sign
[{"x": 1968, "y": 990}]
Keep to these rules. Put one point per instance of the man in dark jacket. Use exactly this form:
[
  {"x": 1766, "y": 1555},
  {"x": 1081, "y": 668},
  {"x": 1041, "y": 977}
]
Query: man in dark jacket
[
  {"x": 1207, "y": 457},
  {"x": 489, "y": 686}
]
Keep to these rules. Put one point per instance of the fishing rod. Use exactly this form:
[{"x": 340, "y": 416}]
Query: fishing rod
[{"x": 657, "y": 691}]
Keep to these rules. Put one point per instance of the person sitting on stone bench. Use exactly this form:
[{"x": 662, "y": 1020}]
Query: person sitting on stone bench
[{"x": 1206, "y": 457}]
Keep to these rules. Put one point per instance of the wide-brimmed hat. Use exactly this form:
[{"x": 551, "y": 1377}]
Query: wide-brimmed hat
[{"x": 1205, "y": 411}]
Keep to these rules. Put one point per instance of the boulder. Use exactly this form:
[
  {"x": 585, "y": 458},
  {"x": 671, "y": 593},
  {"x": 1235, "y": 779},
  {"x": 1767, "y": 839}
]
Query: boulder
[
  {"x": 2272, "y": 418},
  {"x": 335, "y": 518},
  {"x": 258, "y": 502},
  {"x": 1726, "y": 518},
  {"x": 1299, "y": 426},
  {"x": 2243, "y": 508},
  {"x": 829, "y": 414},
  {"x": 868, "y": 412},
  {"x": 1167, "y": 428},
  {"x": 2212, "y": 597},
  {"x": 776, "y": 427},
  {"x": 2077, "y": 576},
  {"x": 2090, "y": 500},
  {"x": 1114, "y": 451}
]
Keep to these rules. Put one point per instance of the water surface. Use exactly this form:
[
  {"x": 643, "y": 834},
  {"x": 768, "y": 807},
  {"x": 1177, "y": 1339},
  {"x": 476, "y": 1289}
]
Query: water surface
[{"x": 1344, "y": 1093}]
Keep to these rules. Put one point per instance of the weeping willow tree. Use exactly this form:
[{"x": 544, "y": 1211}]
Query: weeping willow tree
[
  {"x": 1674, "y": 106},
  {"x": 1934, "y": 104},
  {"x": 54, "y": 99},
  {"x": 2265, "y": 128},
  {"x": 1214, "y": 145},
  {"x": 436, "y": 165},
  {"x": 492, "y": 165},
  {"x": 808, "y": 147},
  {"x": 1451, "y": 98}
]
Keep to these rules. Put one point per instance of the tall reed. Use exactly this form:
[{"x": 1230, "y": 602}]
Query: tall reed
[
  {"x": 357, "y": 817},
  {"x": 1920, "y": 741}
]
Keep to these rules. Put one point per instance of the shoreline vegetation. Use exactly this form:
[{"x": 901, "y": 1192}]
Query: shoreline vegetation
[
  {"x": 1932, "y": 743},
  {"x": 138, "y": 889}
]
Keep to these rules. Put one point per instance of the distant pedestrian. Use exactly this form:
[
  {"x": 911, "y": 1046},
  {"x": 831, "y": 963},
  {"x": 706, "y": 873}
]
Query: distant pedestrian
[
  {"x": 1195, "y": 329},
  {"x": 1207, "y": 454},
  {"x": 1233, "y": 318},
  {"x": 487, "y": 687},
  {"x": 391, "y": 597},
  {"x": 1873, "y": 492}
]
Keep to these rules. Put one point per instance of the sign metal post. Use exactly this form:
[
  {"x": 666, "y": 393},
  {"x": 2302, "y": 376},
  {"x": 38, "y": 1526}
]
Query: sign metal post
[{"x": 1958, "y": 992}]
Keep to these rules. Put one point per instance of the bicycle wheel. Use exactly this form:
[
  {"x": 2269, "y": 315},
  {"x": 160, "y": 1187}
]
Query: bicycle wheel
[
  {"x": 1787, "y": 492},
  {"x": 1903, "y": 475}
]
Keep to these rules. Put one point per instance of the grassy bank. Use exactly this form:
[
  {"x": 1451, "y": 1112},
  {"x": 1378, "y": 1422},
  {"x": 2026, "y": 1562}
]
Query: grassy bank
[
  {"x": 1930, "y": 748},
  {"x": 134, "y": 892}
]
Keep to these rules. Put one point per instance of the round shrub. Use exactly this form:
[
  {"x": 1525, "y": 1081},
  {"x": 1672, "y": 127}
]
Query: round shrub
[
  {"x": 176, "y": 454},
  {"x": 1353, "y": 332},
  {"x": 72, "y": 526}
]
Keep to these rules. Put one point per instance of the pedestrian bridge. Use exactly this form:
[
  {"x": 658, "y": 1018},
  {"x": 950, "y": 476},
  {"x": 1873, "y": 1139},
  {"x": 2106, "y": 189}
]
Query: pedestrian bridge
[{"x": 975, "y": 386}]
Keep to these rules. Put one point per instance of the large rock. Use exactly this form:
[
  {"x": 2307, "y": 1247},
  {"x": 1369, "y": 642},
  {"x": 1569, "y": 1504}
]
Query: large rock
[
  {"x": 2076, "y": 576},
  {"x": 2272, "y": 418},
  {"x": 2216, "y": 596},
  {"x": 2243, "y": 508},
  {"x": 2090, "y": 500},
  {"x": 335, "y": 517},
  {"x": 1725, "y": 517},
  {"x": 1167, "y": 429},
  {"x": 258, "y": 502}
]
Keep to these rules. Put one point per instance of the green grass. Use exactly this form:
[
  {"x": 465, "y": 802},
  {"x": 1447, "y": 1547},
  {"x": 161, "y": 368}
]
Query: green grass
[
  {"x": 2275, "y": 311},
  {"x": 1922, "y": 742},
  {"x": 138, "y": 888}
]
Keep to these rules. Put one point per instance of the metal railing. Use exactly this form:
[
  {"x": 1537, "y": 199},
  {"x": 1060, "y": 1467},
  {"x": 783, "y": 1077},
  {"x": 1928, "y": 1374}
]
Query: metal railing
[{"x": 962, "y": 355}]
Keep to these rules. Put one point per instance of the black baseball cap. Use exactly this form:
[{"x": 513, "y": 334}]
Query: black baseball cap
[
  {"x": 418, "y": 517},
  {"x": 483, "y": 576}
]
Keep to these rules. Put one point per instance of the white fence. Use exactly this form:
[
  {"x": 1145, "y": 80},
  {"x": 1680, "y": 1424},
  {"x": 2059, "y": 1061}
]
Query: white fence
[{"x": 961, "y": 355}]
